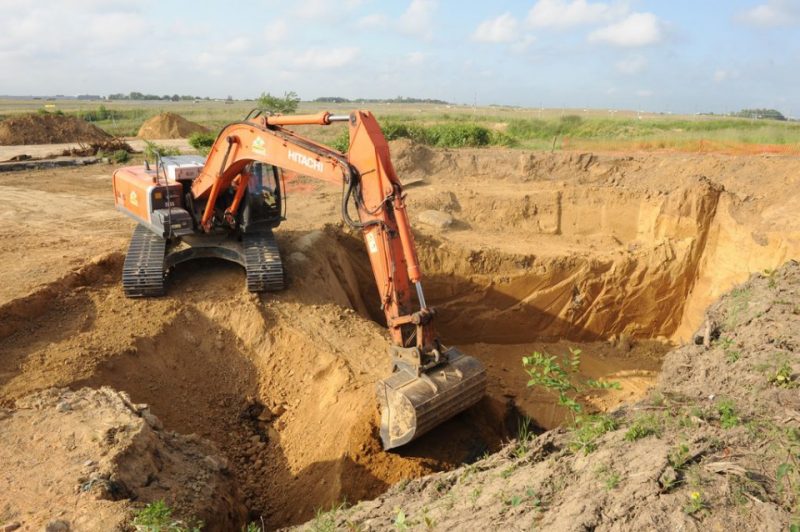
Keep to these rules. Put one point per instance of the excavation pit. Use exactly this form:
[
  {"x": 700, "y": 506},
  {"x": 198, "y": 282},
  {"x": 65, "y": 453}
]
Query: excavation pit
[
  {"x": 615, "y": 256},
  {"x": 282, "y": 383}
]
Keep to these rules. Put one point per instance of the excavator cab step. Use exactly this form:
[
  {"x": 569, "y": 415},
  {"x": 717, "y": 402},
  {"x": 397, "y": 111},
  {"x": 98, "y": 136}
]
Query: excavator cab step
[{"x": 412, "y": 404}]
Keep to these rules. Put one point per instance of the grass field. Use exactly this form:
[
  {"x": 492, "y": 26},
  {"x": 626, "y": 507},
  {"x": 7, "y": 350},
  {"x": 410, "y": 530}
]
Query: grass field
[{"x": 454, "y": 126}]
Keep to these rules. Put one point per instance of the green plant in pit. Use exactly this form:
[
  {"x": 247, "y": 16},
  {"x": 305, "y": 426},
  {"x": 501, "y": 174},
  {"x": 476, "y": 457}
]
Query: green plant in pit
[
  {"x": 695, "y": 503},
  {"x": 588, "y": 429},
  {"x": 400, "y": 523},
  {"x": 560, "y": 378},
  {"x": 727, "y": 414},
  {"x": 739, "y": 302},
  {"x": 679, "y": 456},
  {"x": 157, "y": 517},
  {"x": 524, "y": 437},
  {"x": 732, "y": 355},
  {"x": 325, "y": 520},
  {"x": 609, "y": 477},
  {"x": 643, "y": 426},
  {"x": 782, "y": 377},
  {"x": 473, "y": 497}
]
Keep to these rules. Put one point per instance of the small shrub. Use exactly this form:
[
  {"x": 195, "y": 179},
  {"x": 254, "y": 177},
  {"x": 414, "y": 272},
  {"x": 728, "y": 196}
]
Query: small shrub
[
  {"x": 587, "y": 431},
  {"x": 727, "y": 414},
  {"x": 202, "y": 142},
  {"x": 679, "y": 457},
  {"x": 120, "y": 156},
  {"x": 783, "y": 376},
  {"x": 342, "y": 142},
  {"x": 151, "y": 149},
  {"x": 643, "y": 426},
  {"x": 157, "y": 517},
  {"x": 695, "y": 503}
]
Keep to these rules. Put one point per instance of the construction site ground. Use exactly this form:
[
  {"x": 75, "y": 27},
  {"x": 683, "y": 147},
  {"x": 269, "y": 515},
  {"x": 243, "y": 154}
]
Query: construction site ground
[{"x": 616, "y": 255}]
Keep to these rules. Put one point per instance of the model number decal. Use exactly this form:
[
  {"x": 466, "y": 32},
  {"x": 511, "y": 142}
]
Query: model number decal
[
  {"x": 372, "y": 245},
  {"x": 305, "y": 160}
]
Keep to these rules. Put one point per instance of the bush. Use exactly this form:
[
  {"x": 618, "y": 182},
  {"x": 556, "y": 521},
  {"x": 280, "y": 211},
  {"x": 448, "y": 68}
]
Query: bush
[
  {"x": 120, "y": 156},
  {"x": 151, "y": 148},
  {"x": 274, "y": 104},
  {"x": 202, "y": 142},
  {"x": 459, "y": 135},
  {"x": 342, "y": 142}
]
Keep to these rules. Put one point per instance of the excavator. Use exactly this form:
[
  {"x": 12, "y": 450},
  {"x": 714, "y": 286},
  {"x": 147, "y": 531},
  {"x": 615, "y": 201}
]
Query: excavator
[{"x": 227, "y": 205}]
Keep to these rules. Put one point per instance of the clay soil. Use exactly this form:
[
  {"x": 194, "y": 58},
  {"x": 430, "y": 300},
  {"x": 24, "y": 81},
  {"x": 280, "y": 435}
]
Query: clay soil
[
  {"x": 616, "y": 255},
  {"x": 48, "y": 129},
  {"x": 169, "y": 126}
]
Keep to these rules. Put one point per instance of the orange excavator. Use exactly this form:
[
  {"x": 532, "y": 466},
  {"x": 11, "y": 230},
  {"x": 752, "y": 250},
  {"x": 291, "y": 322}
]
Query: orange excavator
[{"x": 227, "y": 206}]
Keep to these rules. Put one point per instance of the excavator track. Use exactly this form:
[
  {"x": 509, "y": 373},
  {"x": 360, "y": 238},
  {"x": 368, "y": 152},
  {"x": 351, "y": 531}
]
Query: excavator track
[
  {"x": 143, "y": 270},
  {"x": 262, "y": 261}
]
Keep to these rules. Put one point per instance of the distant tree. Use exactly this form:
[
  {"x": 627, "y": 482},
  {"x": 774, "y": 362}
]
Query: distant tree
[
  {"x": 332, "y": 99},
  {"x": 274, "y": 104},
  {"x": 767, "y": 114},
  {"x": 176, "y": 98}
]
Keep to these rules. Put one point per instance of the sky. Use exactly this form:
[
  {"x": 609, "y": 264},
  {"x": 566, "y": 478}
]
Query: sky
[{"x": 671, "y": 56}]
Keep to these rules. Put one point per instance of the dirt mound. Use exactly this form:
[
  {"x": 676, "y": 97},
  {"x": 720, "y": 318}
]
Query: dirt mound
[
  {"x": 82, "y": 457},
  {"x": 48, "y": 129},
  {"x": 715, "y": 447},
  {"x": 169, "y": 126}
]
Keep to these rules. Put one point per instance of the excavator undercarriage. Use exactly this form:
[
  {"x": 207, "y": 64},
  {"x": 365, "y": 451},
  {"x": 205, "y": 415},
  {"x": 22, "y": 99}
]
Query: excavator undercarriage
[{"x": 227, "y": 205}]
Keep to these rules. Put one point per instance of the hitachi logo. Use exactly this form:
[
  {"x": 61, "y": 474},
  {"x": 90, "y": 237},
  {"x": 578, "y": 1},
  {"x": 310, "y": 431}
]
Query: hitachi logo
[{"x": 306, "y": 161}]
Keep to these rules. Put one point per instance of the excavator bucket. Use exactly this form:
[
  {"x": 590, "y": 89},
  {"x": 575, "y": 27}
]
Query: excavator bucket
[{"x": 413, "y": 404}]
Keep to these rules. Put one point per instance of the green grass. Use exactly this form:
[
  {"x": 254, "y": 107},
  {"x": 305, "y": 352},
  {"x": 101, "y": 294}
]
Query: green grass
[
  {"x": 457, "y": 125},
  {"x": 643, "y": 426},
  {"x": 157, "y": 517},
  {"x": 728, "y": 417}
]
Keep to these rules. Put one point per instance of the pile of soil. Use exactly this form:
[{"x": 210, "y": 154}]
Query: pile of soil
[
  {"x": 169, "y": 126},
  {"x": 715, "y": 447},
  {"x": 48, "y": 129},
  {"x": 80, "y": 458}
]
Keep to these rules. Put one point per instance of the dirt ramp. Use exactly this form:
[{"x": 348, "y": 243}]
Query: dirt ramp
[
  {"x": 82, "y": 457},
  {"x": 169, "y": 126},
  {"x": 48, "y": 129}
]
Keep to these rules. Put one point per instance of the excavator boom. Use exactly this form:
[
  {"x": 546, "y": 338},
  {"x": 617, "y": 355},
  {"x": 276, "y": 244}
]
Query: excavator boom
[{"x": 428, "y": 383}]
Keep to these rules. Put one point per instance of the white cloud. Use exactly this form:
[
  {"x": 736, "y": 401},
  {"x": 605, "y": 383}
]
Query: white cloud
[
  {"x": 563, "y": 14},
  {"x": 644, "y": 93},
  {"x": 773, "y": 14},
  {"x": 236, "y": 45},
  {"x": 632, "y": 65},
  {"x": 276, "y": 31},
  {"x": 416, "y": 58},
  {"x": 322, "y": 58},
  {"x": 323, "y": 9},
  {"x": 373, "y": 21},
  {"x": 637, "y": 29},
  {"x": 721, "y": 75},
  {"x": 501, "y": 29},
  {"x": 523, "y": 44},
  {"x": 418, "y": 18}
]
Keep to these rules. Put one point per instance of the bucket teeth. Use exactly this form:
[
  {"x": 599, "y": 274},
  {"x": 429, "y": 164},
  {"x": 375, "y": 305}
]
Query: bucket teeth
[{"x": 412, "y": 405}]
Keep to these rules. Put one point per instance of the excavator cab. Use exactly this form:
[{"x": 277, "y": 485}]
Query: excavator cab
[{"x": 263, "y": 205}]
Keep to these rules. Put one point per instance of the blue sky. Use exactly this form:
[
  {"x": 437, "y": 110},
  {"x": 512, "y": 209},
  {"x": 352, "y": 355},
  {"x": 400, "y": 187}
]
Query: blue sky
[{"x": 679, "y": 56}]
